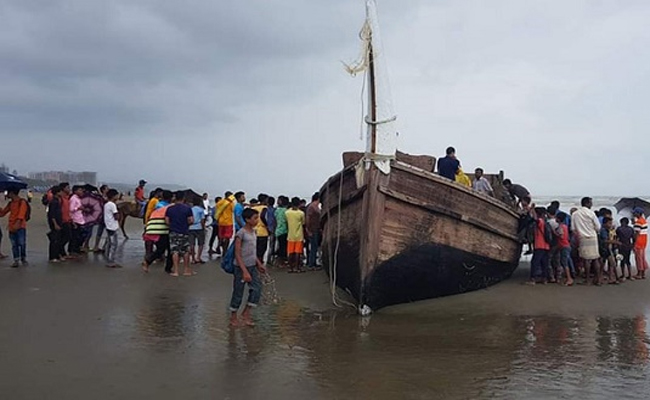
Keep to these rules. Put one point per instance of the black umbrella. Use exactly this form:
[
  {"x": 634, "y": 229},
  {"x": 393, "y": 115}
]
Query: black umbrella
[
  {"x": 631, "y": 203},
  {"x": 8, "y": 182},
  {"x": 192, "y": 197}
]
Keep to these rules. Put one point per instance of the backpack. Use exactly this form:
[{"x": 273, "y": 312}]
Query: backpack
[
  {"x": 228, "y": 260},
  {"x": 44, "y": 199},
  {"x": 28, "y": 214}
]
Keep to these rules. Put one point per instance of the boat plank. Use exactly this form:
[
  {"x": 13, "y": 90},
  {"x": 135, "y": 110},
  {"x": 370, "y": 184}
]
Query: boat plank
[
  {"x": 465, "y": 204},
  {"x": 407, "y": 225}
]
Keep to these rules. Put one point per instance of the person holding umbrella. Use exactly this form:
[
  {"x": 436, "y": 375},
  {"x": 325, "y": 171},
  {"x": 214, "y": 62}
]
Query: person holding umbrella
[{"x": 18, "y": 211}]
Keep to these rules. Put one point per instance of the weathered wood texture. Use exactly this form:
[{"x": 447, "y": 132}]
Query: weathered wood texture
[
  {"x": 457, "y": 199},
  {"x": 342, "y": 237},
  {"x": 406, "y": 225}
]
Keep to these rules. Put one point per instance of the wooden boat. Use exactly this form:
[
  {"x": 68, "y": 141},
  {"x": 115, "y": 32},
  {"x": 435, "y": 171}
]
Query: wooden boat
[{"x": 396, "y": 232}]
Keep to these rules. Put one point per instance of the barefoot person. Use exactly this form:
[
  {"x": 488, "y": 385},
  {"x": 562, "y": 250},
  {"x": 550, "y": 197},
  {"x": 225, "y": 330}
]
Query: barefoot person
[
  {"x": 55, "y": 223},
  {"x": 157, "y": 231},
  {"x": 247, "y": 269},
  {"x": 111, "y": 217},
  {"x": 564, "y": 246},
  {"x": 295, "y": 238},
  {"x": 18, "y": 210},
  {"x": 214, "y": 228},
  {"x": 585, "y": 226},
  {"x": 225, "y": 215},
  {"x": 101, "y": 226},
  {"x": 640, "y": 242},
  {"x": 625, "y": 235},
  {"x": 197, "y": 233},
  {"x": 179, "y": 218}
]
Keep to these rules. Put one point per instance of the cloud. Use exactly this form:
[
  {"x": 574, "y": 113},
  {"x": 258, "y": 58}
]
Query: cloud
[{"x": 223, "y": 94}]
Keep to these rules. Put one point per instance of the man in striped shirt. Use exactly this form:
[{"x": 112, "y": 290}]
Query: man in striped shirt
[{"x": 640, "y": 242}]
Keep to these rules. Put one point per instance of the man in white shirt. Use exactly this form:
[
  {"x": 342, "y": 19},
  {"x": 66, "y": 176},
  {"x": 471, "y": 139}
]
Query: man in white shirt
[
  {"x": 111, "y": 217},
  {"x": 206, "y": 202},
  {"x": 481, "y": 184},
  {"x": 585, "y": 225}
]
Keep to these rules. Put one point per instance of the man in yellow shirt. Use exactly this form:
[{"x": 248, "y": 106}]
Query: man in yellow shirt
[
  {"x": 296, "y": 235},
  {"x": 262, "y": 229},
  {"x": 224, "y": 214},
  {"x": 152, "y": 204}
]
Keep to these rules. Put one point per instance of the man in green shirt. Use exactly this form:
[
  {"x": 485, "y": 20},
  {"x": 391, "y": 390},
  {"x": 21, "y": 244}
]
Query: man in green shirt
[{"x": 281, "y": 228}]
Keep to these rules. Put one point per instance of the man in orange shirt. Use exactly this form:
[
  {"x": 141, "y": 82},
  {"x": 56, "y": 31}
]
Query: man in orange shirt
[
  {"x": 140, "y": 199},
  {"x": 17, "y": 210}
]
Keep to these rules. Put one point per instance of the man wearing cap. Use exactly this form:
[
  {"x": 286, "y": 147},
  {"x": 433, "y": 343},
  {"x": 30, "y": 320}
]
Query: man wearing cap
[
  {"x": 140, "y": 198},
  {"x": 640, "y": 242},
  {"x": 585, "y": 226}
]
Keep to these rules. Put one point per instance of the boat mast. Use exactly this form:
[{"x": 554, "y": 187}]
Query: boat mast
[
  {"x": 372, "y": 92},
  {"x": 381, "y": 134}
]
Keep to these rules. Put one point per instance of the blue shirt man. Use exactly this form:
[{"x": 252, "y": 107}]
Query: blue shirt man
[
  {"x": 449, "y": 165},
  {"x": 239, "y": 209},
  {"x": 198, "y": 213}
]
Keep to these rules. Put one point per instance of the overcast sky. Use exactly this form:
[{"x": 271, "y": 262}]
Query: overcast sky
[{"x": 227, "y": 95}]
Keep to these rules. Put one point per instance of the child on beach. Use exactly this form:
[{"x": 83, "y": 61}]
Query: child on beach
[
  {"x": 110, "y": 221},
  {"x": 296, "y": 236},
  {"x": 564, "y": 246},
  {"x": 625, "y": 235},
  {"x": 605, "y": 243},
  {"x": 247, "y": 269}
]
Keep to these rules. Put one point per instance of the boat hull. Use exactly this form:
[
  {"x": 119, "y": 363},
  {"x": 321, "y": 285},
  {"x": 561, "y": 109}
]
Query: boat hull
[
  {"x": 430, "y": 271},
  {"x": 412, "y": 235}
]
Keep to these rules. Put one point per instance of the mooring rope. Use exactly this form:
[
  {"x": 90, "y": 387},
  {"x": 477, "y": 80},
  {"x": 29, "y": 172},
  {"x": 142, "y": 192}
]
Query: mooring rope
[{"x": 336, "y": 300}]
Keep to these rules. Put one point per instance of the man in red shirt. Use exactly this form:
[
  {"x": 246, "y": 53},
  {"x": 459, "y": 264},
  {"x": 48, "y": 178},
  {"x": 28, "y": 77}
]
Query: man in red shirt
[
  {"x": 564, "y": 245},
  {"x": 540, "y": 265},
  {"x": 140, "y": 198}
]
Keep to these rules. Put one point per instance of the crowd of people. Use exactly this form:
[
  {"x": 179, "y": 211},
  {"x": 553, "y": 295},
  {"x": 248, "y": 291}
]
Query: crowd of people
[
  {"x": 565, "y": 246},
  {"x": 585, "y": 243},
  {"x": 285, "y": 233}
]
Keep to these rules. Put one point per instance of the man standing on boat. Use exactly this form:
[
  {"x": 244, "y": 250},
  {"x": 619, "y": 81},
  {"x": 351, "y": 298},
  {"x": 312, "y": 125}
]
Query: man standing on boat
[
  {"x": 481, "y": 184},
  {"x": 449, "y": 165}
]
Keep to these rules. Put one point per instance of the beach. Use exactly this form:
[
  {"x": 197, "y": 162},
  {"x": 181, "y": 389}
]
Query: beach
[{"x": 80, "y": 330}]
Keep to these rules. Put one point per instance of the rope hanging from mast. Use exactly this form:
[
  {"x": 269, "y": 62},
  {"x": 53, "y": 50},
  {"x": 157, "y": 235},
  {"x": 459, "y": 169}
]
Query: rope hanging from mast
[{"x": 361, "y": 64}]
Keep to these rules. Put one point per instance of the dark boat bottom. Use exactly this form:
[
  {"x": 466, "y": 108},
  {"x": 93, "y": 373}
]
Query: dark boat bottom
[{"x": 430, "y": 271}]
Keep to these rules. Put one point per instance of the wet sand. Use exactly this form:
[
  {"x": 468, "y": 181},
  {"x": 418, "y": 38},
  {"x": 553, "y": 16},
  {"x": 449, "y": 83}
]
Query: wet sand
[{"x": 80, "y": 330}]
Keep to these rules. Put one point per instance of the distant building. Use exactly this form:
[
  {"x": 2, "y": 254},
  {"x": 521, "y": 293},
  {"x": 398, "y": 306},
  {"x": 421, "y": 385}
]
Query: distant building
[
  {"x": 75, "y": 178},
  {"x": 4, "y": 169}
]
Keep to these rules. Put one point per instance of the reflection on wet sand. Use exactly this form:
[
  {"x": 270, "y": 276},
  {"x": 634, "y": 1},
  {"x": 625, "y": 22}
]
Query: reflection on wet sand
[{"x": 480, "y": 357}]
